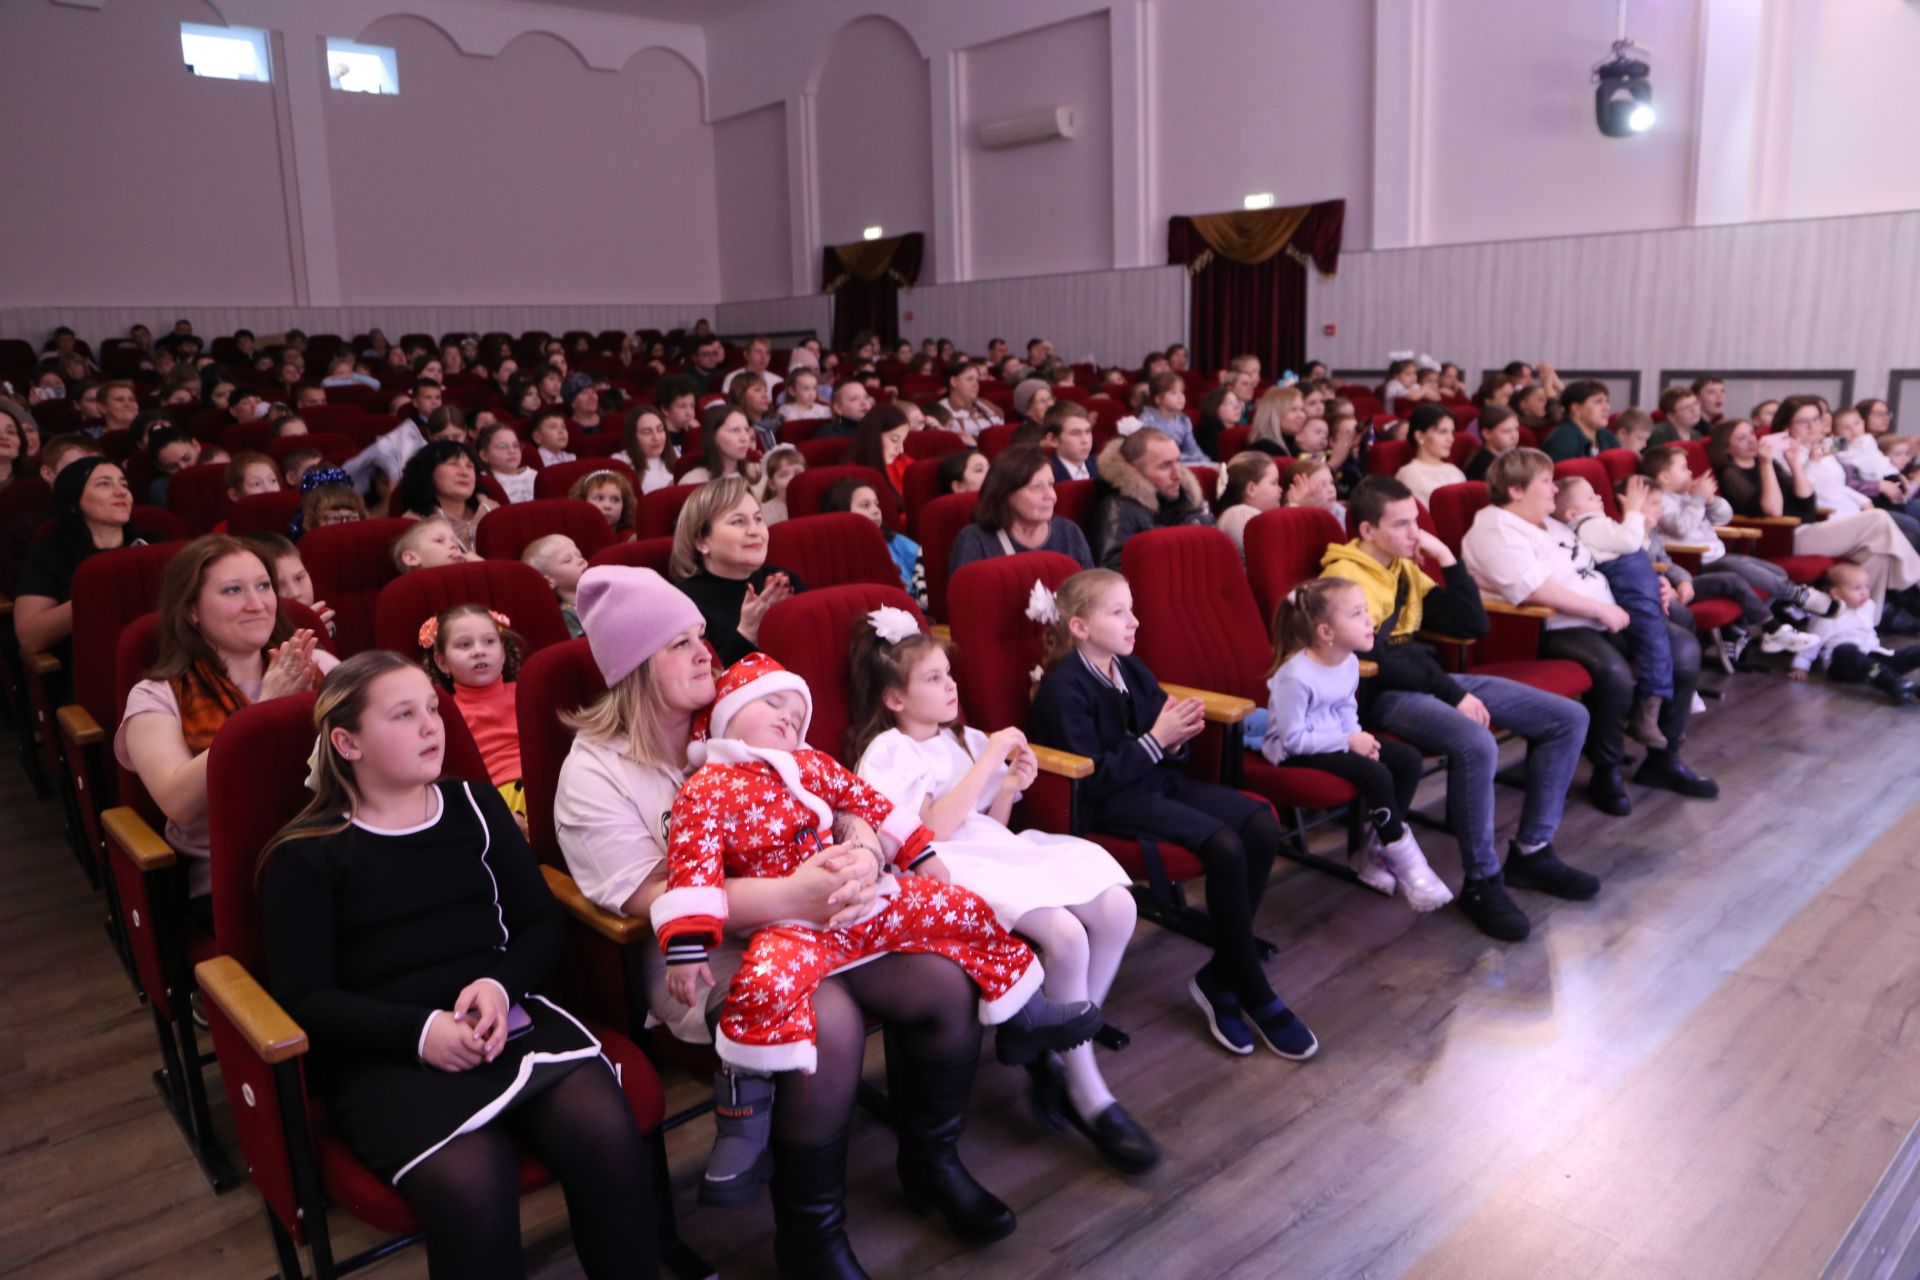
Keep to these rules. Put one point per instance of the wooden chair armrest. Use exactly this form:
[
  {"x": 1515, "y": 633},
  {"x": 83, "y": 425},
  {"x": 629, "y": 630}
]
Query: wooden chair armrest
[
  {"x": 1516, "y": 610},
  {"x": 623, "y": 930},
  {"x": 1687, "y": 548},
  {"x": 43, "y": 664},
  {"x": 127, "y": 831},
  {"x": 78, "y": 726},
  {"x": 1768, "y": 522},
  {"x": 1823, "y": 512},
  {"x": 942, "y": 632},
  {"x": 262, "y": 1023},
  {"x": 1221, "y": 708},
  {"x": 1062, "y": 764},
  {"x": 1440, "y": 637},
  {"x": 1368, "y": 668},
  {"x": 1737, "y": 532}
]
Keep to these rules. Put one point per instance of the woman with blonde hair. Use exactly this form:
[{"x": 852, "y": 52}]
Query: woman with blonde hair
[
  {"x": 719, "y": 562},
  {"x": 1277, "y": 418}
]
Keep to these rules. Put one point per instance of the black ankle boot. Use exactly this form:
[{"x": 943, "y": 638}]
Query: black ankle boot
[
  {"x": 931, "y": 1117},
  {"x": 810, "y": 1211},
  {"x": 1892, "y": 683}
]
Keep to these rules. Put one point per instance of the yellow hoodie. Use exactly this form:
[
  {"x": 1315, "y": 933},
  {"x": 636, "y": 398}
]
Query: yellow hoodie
[{"x": 1381, "y": 583}]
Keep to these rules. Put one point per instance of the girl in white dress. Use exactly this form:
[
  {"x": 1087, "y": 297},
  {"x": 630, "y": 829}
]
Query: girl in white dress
[{"x": 1064, "y": 894}]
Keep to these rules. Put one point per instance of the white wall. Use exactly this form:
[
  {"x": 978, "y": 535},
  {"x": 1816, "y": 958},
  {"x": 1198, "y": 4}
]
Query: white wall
[
  {"x": 751, "y": 199},
  {"x": 1046, "y": 208},
  {"x": 1832, "y": 293},
  {"x": 870, "y": 147},
  {"x": 1108, "y": 317}
]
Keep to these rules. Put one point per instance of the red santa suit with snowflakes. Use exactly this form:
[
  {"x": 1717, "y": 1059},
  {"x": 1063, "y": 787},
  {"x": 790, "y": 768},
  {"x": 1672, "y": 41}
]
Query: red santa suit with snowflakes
[{"x": 760, "y": 813}]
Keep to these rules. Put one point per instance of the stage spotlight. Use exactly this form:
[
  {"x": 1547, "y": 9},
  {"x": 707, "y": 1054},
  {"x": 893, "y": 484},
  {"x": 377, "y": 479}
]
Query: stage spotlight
[{"x": 1623, "y": 94}]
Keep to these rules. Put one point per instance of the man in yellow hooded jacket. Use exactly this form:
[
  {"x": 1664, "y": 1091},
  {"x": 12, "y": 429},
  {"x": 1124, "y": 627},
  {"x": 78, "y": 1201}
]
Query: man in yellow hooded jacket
[{"x": 1417, "y": 700}]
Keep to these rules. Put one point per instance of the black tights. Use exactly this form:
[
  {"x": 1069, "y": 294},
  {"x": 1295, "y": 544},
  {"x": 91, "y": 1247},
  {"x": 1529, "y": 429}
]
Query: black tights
[
  {"x": 928, "y": 1001},
  {"x": 1238, "y": 864},
  {"x": 468, "y": 1199}
]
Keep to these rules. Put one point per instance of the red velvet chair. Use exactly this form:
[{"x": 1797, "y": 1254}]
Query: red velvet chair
[
  {"x": 994, "y": 440},
  {"x": 800, "y": 430},
  {"x": 198, "y": 495},
  {"x": 149, "y": 889},
  {"x": 806, "y": 491},
  {"x": 1386, "y": 457},
  {"x": 1595, "y": 473},
  {"x": 557, "y": 481},
  {"x": 349, "y": 564},
  {"x": 811, "y": 633},
  {"x": 920, "y": 485},
  {"x": 1201, "y": 628},
  {"x": 1511, "y": 647},
  {"x": 825, "y": 453},
  {"x": 110, "y": 590},
  {"x": 335, "y": 446},
  {"x": 930, "y": 443},
  {"x": 263, "y": 513},
  {"x": 1075, "y": 500},
  {"x": 831, "y": 550},
  {"x": 1620, "y": 463},
  {"x": 940, "y": 525},
  {"x": 659, "y": 511},
  {"x": 1232, "y": 441},
  {"x": 1284, "y": 549},
  {"x": 997, "y": 653},
  {"x": 297, "y": 1166},
  {"x": 642, "y": 553},
  {"x": 508, "y": 587},
  {"x": 507, "y": 532}
]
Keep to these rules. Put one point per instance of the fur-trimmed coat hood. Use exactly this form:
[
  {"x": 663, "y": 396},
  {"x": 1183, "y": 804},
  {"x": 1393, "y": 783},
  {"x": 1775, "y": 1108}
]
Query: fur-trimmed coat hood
[{"x": 1129, "y": 504}]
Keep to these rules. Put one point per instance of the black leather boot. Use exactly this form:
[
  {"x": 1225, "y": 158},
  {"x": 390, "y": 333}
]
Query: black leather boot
[
  {"x": 810, "y": 1211},
  {"x": 931, "y": 1118}
]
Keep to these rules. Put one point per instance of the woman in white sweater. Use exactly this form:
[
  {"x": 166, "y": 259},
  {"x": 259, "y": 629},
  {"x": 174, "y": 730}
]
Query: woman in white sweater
[{"x": 1431, "y": 431}]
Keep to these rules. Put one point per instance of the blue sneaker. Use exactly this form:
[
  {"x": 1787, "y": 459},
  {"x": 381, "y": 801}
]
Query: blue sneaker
[
  {"x": 1224, "y": 1018},
  {"x": 1285, "y": 1034}
]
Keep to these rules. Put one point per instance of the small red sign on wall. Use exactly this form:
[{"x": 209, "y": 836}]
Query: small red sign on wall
[{"x": 1327, "y": 330}]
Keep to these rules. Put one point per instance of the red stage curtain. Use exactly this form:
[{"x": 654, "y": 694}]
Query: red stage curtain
[
  {"x": 1249, "y": 280},
  {"x": 865, "y": 279}
]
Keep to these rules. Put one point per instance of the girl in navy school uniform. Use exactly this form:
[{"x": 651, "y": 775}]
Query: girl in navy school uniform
[{"x": 1100, "y": 701}]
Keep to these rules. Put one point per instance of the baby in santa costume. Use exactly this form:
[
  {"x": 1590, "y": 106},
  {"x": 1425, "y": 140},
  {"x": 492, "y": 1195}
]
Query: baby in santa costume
[{"x": 759, "y": 805}]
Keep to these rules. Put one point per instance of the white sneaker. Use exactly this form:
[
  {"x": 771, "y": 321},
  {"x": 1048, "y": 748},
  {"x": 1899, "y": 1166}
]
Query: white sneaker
[
  {"x": 1365, "y": 863},
  {"x": 1785, "y": 639},
  {"x": 1425, "y": 891}
]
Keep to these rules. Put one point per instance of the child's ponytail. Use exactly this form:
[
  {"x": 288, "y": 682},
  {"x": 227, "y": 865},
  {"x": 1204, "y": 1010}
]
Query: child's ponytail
[
  {"x": 1300, "y": 612},
  {"x": 1075, "y": 599}
]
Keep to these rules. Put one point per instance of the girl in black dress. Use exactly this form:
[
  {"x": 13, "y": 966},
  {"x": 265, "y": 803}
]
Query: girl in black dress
[{"x": 408, "y": 930}]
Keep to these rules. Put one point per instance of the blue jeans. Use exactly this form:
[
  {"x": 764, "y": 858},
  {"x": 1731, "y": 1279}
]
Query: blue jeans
[
  {"x": 1606, "y": 659},
  {"x": 1636, "y": 588},
  {"x": 1554, "y": 727}
]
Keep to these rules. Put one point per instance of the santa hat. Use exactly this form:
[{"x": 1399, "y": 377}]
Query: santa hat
[{"x": 754, "y": 676}]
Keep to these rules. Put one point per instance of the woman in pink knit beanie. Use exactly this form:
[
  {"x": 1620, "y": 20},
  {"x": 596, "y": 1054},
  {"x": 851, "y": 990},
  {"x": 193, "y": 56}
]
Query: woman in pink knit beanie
[{"x": 616, "y": 788}]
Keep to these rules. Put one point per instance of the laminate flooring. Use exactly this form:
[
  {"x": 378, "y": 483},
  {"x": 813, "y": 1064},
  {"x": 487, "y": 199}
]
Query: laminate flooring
[{"x": 1701, "y": 1074}]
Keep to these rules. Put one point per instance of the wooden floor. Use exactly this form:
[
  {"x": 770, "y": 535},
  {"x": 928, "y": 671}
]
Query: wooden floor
[{"x": 1701, "y": 1074}]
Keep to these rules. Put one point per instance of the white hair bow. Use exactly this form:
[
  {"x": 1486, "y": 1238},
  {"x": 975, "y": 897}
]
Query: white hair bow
[
  {"x": 893, "y": 624},
  {"x": 1041, "y": 605},
  {"x": 1128, "y": 425}
]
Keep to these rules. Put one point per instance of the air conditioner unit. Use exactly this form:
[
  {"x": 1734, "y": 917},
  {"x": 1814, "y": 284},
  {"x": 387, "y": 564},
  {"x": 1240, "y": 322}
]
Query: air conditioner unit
[{"x": 1031, "y": 127}]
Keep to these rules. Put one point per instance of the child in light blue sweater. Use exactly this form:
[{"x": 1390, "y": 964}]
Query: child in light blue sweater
[{"x": 1313, "y": 722}]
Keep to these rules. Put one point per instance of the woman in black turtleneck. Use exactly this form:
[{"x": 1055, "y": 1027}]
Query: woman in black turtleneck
[{"x": 720, "y": 562}]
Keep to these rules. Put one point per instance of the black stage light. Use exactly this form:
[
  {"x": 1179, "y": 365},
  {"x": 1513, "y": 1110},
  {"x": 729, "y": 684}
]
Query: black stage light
[{"x": 1623, "y": 94}]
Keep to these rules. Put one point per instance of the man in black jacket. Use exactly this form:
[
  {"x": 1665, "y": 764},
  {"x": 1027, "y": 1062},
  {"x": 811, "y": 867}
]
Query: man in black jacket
[{"x": 1414, "y": 698}]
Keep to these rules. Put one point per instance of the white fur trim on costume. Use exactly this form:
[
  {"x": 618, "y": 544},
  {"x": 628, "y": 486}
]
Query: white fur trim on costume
[
  {"x": 773, "y": 682},
  {"x": 690, "y": 900},
  {"x": 899, "y": 827},
  {"x": 734, "y": 751},
  {"x": 995, "y": 1012},
  {"x": 798, "y": 1056}
]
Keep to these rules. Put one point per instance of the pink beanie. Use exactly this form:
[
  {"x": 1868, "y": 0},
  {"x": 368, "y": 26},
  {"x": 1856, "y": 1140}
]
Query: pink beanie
[{"x": 629, "y": 615}]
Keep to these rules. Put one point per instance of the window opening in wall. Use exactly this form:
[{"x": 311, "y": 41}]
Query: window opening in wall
[
  {"x": 225, "y": 53},
  {"x": 353, "y": 67}
]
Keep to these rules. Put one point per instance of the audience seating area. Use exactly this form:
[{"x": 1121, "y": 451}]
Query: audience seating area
[{"x": 1206, "y": 627}]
